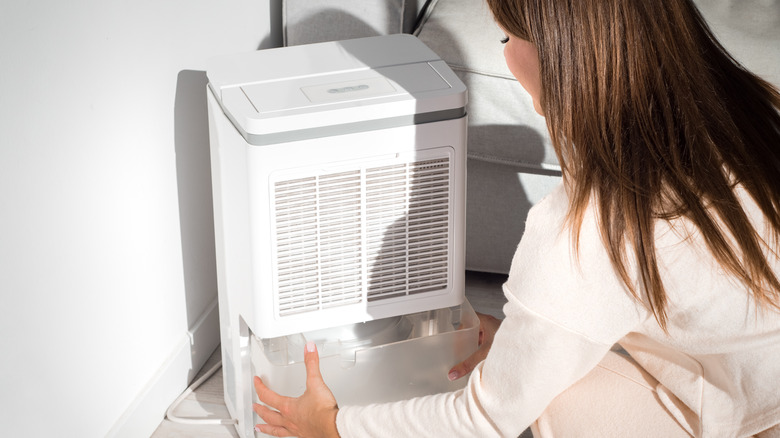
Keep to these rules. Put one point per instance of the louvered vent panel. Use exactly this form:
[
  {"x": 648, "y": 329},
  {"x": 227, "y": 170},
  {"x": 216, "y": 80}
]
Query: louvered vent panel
[
  {"x": 318, "y": 242},
  {"x": 320, "y": 254},
  {"x": 407, "y": 219}
]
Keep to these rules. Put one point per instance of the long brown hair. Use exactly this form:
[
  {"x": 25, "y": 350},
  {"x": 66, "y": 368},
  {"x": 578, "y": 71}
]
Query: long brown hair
[{"x": 651, "y": 117}]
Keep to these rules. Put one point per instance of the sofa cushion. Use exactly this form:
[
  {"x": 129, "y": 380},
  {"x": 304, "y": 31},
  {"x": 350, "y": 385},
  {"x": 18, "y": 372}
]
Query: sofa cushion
[
  {"x": 307, "y": 21},
  {"x": 503, "y": 125},
  {"x": 750, "y": 31}
]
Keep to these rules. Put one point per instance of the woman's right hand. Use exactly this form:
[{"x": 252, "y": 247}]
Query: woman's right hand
[{"x": 488, "y": 325}]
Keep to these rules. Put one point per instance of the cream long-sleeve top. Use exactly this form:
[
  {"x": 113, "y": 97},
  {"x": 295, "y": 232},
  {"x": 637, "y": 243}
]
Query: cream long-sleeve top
[{"x": 719, "y": 361}]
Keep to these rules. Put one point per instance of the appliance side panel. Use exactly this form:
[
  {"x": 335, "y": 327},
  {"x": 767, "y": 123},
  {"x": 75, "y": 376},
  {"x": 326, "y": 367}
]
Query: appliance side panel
[{"x": 232, "y": 247}]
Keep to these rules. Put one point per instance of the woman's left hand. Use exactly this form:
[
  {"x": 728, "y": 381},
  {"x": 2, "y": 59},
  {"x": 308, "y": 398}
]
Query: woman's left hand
[
  {"x": 488, "y": 326},
  {"x": 311, "y": 415}
]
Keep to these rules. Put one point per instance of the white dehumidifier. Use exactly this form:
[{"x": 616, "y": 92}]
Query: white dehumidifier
[{"x": 339, "y": 200}]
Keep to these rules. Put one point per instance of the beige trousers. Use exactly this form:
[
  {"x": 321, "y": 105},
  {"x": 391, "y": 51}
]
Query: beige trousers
[{"x": 632, "y": 408}]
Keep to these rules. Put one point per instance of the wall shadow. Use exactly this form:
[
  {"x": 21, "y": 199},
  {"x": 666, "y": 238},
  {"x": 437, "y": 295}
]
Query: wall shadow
[
  {"x": 193, "y": 178},
  {"x": 275, "y": 36},
  {"x": 319, "y": 28}
]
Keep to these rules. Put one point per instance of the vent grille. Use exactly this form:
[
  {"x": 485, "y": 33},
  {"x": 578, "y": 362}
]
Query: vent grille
[
  {"x": 383, "y": 229},
  {"x": 407, "y": 218}
]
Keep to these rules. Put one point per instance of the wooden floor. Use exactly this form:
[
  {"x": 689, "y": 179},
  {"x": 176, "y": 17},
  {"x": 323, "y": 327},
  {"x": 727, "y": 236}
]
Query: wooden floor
[{"x": 482, "y": 290}]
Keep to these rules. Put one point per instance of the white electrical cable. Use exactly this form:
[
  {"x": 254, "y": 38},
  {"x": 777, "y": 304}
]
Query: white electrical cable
[{"x": 189, "y": 391}]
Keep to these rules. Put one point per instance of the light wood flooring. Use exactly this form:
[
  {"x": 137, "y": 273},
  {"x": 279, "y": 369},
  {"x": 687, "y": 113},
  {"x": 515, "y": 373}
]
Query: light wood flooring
[{"x": 482, "y": 290}]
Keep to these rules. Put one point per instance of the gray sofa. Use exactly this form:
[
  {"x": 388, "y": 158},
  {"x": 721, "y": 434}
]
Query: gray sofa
[{"x": 511, "y": 164}]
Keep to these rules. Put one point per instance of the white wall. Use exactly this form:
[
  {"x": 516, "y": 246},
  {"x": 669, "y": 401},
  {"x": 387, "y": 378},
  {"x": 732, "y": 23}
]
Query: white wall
[{"x": 106, "y": 245}]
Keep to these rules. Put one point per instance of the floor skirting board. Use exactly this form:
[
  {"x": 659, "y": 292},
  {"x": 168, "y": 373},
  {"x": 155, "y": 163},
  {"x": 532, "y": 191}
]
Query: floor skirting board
[{"x": 147, "y": 410}]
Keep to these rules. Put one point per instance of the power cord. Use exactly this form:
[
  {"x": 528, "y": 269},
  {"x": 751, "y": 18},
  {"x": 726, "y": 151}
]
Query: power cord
[{"x": 190, "y": 390}]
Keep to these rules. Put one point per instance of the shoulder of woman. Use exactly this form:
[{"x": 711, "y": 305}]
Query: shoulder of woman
[
  {"x": 549, "y": 213},
  {"x": 547, "y": 224},
  {"x": 560, "y": 280}
]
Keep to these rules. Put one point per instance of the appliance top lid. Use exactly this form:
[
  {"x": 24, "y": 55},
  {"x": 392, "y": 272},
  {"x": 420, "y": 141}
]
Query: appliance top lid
[{"x": 334, "y": 83}]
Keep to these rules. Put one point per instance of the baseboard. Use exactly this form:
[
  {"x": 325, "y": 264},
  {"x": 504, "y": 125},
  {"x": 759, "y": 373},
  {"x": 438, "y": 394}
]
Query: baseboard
[{"x": 148, "y": 409}]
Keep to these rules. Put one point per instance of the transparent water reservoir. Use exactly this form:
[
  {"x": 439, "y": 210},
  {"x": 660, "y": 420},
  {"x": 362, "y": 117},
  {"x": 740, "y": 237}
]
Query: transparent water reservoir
[{"x": 377, "y": 361}]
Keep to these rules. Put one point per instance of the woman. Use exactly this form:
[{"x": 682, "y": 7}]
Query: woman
[{"x": 663, "y": 238}]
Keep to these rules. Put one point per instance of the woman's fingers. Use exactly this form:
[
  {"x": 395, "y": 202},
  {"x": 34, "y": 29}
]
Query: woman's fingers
[
  {"x": 488, "y": 325},
  {"x": 311, "y": 359},
  {"x": 313, "y": 414},
  {"x": 468, "y": 365},
  {"x": 274, "y": 421},
  {"x": 267, "y": 396},
  {"x": 268, "y": 415},
  {"x": 272, "y": 430}
]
